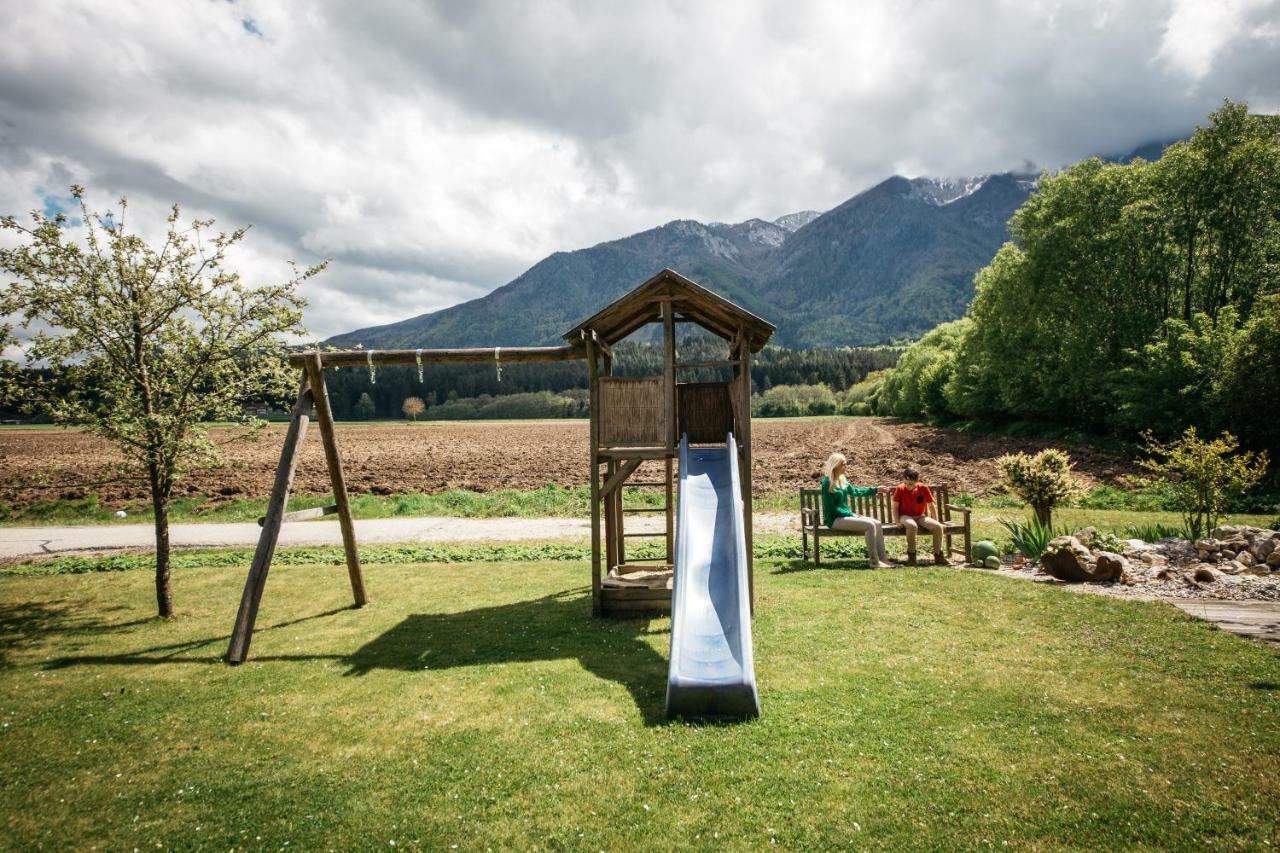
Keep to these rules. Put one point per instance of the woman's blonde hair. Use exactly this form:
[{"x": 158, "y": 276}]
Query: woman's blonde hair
[{"x": 835, "y": 460}]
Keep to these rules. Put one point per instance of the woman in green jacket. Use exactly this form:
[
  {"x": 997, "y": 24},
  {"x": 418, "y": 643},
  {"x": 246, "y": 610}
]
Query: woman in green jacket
[{"x": 837, "y": 514}]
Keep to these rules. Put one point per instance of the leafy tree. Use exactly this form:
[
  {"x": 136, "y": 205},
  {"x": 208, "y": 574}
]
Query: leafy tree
[
  {"x": 151, "y": 340},
  {"x": 1204, "y": 476},
  {"x": 915, "y": 387},
  {"x": 1248, "y": 382},
  {"x": 1178, "y": 371},
  {"x": 412, "y": 407},
  {"x": 364, "y": 409},
  {"x": 782, "y": 401},
  {"x": 1119, "y": 302},
  {"x": 1043, "y": 480}
]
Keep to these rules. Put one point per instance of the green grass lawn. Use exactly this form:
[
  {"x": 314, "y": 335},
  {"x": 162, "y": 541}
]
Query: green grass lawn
[{"x": 480, "y": 705}]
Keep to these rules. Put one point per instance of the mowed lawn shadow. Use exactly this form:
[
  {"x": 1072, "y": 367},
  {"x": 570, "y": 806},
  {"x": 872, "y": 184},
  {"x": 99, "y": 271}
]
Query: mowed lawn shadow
[{"x": 554, "y": 627}]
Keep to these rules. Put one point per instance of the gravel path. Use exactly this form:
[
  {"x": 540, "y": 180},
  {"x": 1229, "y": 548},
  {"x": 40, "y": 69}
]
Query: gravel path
[{"x": 18, "y": 542}]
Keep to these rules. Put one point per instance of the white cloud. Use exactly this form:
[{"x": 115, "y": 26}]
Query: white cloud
[{"x": 437, "y": 150}]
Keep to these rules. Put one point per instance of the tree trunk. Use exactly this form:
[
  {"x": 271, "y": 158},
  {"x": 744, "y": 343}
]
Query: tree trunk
[
  {"x": 1044, "y": 514},
  {"x": 160, "y": 505}
]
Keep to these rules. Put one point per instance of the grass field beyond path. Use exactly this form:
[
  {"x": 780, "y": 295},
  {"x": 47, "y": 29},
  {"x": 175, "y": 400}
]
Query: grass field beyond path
[{"x": 480, "y": 705}]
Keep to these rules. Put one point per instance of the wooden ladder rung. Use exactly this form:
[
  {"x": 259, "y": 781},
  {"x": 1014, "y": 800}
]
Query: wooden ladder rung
[
  {"x": 646, "y": 509},
  {"x": 644, "y": 535},
  {"x": 662, "y": 559},
  {"x": 645, "y": 483}
]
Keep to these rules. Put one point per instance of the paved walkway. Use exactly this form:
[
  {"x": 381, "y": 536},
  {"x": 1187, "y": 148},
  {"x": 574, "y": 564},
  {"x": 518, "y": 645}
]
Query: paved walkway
[
  {"x": 17, "y": 542},
  {"x": 1257, "y": 619}
]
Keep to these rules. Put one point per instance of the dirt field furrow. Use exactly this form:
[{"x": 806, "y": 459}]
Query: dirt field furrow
[{"x": 434, "y": 457}]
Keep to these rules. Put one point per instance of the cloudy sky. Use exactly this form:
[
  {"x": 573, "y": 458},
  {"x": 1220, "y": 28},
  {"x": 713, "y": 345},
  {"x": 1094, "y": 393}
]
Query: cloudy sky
[{"x": 436, "y": 150}]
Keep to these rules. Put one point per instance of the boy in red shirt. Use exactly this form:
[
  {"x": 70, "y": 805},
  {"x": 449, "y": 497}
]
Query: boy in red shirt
[{"x": 910, "y": 502}]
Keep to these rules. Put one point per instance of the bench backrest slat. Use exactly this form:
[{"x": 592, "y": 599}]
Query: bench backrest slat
[{"x": 879, "y": 506}]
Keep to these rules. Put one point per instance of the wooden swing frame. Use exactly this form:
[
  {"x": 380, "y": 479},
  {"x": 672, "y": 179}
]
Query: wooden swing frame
[{"x": 313, "y": 391}]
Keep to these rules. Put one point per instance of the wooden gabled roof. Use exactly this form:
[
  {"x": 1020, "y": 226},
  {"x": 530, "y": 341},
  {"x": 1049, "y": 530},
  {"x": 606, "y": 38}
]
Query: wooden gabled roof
[{"x": 690, "y": 300}]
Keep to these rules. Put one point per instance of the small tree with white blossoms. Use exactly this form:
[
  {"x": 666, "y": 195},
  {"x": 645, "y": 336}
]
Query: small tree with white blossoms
[{"x": 153, "y": 340}]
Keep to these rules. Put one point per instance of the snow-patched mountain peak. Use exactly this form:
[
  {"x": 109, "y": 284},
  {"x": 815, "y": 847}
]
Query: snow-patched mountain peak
[
  {"x": 940, "y": 191},
  {"x": 793, "y": 222}
]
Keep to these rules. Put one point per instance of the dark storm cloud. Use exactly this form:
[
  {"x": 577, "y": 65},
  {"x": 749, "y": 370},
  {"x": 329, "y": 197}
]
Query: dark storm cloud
[{"x": 434, "y": 150}]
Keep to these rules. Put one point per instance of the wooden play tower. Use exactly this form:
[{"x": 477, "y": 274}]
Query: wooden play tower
[
  {"x": 634, "y": 421},
  {"x": 638, "y": 420}
]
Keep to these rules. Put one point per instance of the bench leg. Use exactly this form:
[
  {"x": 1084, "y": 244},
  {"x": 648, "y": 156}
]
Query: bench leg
[
  {"x": 804, "y": 541},
  {"x": 817, "y": 551}
]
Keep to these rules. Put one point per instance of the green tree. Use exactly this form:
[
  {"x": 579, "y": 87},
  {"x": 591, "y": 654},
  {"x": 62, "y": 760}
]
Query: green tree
[
  {"x": 1204, "y": 476},
  {"x": 1179, "y": 371},
  {"x": 365, "y": 409},
  {"x": 153, "y": 341},
  {"x": 1248, "y": 383}
]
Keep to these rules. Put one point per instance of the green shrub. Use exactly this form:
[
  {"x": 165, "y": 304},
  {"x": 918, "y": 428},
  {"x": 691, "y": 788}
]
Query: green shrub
[
  {"x": 1031, "y": 538},
  {"x": 1043, "y": 480},
  {"x": 1155, "y": 532},
  {"x": 1204, "y": 476}
]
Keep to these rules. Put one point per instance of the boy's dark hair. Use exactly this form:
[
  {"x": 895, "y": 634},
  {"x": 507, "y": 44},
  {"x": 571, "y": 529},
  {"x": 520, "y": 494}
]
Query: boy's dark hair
[{"x": 911, "y": 474}]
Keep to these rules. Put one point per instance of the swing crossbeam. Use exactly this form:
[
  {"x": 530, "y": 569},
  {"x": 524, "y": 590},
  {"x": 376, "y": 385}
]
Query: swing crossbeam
[{"x": 475, "y": 355}]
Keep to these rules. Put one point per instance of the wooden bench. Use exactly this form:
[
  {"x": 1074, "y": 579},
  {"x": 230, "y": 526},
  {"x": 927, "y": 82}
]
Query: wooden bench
[{"x": 878, "y": 507}]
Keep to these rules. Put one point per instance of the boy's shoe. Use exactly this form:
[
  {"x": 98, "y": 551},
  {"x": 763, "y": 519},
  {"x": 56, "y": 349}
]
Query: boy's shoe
[
  {"x": 911, "y": 558},
  {"x": 940, "y": 559}
]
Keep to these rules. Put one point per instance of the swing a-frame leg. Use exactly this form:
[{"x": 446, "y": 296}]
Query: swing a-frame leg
[{"x": 311, "y": 391}]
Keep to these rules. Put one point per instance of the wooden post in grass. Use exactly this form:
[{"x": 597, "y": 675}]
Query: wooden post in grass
[
  {"x": 593, "y": 396},
  {"x": 242, "y": 633},
  {"x": 333, "y": 460}
]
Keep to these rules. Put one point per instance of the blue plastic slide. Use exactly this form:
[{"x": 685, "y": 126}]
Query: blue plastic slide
[{"x": 713, "y": 672}]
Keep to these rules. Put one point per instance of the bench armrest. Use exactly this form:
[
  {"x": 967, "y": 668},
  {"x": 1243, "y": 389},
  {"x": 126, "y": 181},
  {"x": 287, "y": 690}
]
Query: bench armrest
[
  {"x": 957, "y": 508},
  {"x": 807, "y": 516}
]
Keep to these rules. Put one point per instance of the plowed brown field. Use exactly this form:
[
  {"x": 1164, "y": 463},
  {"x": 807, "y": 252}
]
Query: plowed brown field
[{"x": 433, "y": 457}]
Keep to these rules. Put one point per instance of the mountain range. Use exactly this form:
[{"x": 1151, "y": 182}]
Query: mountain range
[{"x": 892, "y": 262}]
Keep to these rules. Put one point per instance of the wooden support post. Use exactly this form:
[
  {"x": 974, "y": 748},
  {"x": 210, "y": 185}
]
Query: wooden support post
[
  {"x": 610, "y": 519},
  {"x": 242, "y": 633},
  {"x": 669, "y": 371},
  {"x": 612, "y": 498},
  {"x": 671, "y": 513},
  {"x": 324, "y": 414},
  {"x": 744, "y": 445},
  {"x": 593, "y": 397}
]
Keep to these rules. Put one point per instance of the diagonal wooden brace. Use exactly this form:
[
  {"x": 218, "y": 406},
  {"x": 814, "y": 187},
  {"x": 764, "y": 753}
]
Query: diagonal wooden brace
[{"x": 242, "y": 633}]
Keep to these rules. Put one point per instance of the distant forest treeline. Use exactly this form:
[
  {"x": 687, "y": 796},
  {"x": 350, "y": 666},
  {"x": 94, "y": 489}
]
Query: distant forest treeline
[{"x": 550, "y": 390}]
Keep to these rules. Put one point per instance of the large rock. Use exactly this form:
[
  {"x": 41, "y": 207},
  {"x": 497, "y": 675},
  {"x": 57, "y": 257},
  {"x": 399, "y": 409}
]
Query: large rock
[
  {"x": 1245, "y": 559},
  {"x": 1225, "y": 531},
  {"x": 1109, "y": 566},
  {"x": 1262, "y": 548},
  {"x": 1274, "y": 559},
  {"x": 1067, "y": 559}
]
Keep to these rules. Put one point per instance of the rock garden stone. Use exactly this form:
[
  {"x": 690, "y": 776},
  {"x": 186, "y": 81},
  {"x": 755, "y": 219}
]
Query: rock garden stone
[
  {"x": 1204, "y": 574},
  {"x": 1245, "y": 559}
]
